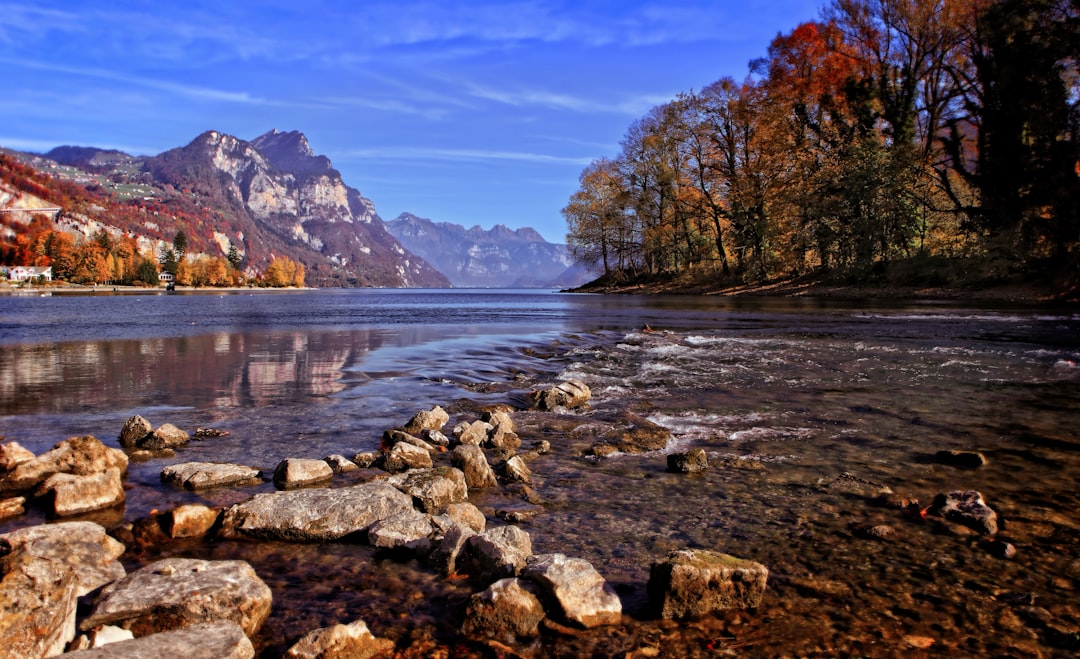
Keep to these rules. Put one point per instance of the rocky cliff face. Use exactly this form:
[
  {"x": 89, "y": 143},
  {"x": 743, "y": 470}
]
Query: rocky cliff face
[
  {"x": 301, "y": 201},
  {"x": 497, "y": 258}
]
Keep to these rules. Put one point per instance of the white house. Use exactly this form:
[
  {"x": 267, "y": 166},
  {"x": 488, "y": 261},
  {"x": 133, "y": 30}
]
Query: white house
[
  {"x": 166, "y": 277},
  {"x": 29, "y": 273}
]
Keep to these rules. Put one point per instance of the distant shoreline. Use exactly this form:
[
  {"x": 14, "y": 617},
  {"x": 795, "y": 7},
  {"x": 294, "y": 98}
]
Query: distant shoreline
[{"x": 74, "y": 289}]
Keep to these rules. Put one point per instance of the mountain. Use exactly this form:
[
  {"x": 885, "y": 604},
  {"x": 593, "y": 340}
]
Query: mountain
[
  {"x": 497, "y": 258},
  {"x": 268, "y": 197}
]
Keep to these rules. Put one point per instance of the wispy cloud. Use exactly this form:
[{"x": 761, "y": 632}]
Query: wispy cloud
[
  {"x": 180, "y": 89},
  {"x": 460, "y": 155}
]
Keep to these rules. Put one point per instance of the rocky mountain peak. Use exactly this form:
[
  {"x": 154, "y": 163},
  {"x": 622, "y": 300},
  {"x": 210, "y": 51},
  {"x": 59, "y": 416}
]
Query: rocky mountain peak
[{"x": 291, "y": 152}]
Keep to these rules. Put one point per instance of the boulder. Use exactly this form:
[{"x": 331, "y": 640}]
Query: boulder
[
  {"x": 495, "y": 554},
  {"x": 470, "y": 459},
  {"x": 179, "y": 592},
  {"x": 467, "y": 514},
  {"x": 569, "y": 394},
  {"x": 314, "y": 515},
  {"x": 435, "y": 437},
  {"x": 202, "y": 475},
  {"x": 447, "y": 544},
  {"x": 38, "y": 599},
  {"x": 82, "y": 456},
  {"x": 966, "y": 507},
  {"x": 406, "y": 530},
  {"x": 691, "y": 583},
  {"x": 475, "y": 433},
  {"x": 83, "y": 547},
  {"x": 393, "y": 437},
  {"x": 300, "y": 472},
  {"x": 576, "y": 588},
  {"x": 499, "y": 419},
  {"x": 516, "y": 470},
  {"x": 65, "y": 495},
  {"x": 12, "y": 454},
  {"x": 134, "y": 430},
  {"x": 403, "y": 456},
  {"x": 433, "y": 489},
  {"x": 164, "y": 436},
  {"x": 208, "y": 640},
  {"x": 507, "y": 610},
  {"x": 189, "y": 521},
  {"x": 353, "y": 641},
  {"x": 433, "y": 419},
  {"x": 689, "y": 462},
  {"x": 339, "y": 464}
]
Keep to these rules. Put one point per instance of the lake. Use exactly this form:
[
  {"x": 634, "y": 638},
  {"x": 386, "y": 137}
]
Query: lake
[{"x": 792, "y": 399}]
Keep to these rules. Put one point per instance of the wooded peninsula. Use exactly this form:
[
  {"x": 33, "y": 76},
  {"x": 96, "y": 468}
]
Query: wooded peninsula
[{"x": 914, "y": 143}]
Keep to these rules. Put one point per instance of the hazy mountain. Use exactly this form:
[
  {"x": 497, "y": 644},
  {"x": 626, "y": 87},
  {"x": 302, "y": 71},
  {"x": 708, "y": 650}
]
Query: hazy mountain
[{"x": 497, "y": 258}]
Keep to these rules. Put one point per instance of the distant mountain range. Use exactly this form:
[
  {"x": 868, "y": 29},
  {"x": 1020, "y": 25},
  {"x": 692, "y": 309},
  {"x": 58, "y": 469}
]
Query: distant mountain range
[
  {"x": 498, "y": 258},
  {"x": 273, "y": 196}
]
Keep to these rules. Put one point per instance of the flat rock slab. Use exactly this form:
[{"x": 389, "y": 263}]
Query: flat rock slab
[
  {"x": 84, "y": 547},
  {"x": 692, "y": 583},
  {"x": 202, "y": 475},
  {"x": 180, "y": 592},
  {"x": 211, "y": 640},
  {"x": 574, "y": 585},
  {"x": 314, "y": 515}
]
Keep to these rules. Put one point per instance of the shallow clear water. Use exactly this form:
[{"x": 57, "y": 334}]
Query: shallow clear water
[{"x": 785, "y": 396}]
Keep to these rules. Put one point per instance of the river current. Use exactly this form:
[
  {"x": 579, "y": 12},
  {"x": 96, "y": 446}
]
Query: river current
[{"x": 802, "y": 406}]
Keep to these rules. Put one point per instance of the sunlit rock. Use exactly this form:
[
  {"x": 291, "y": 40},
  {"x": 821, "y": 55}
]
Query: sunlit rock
[
  {"x": 164, "y": 436},
  {"x": 569, "y": 394},
  {"x": 202, "y": 475},
  {"x": 406, "y": 530},
  {"x": 495, "y": 554},
  {"x": 312, "y": 515},
  {"x": 179, "y": 592},
  {"x": 966, "y": 507},
  {"x": 433, "y": 489},
  {"x": 470, "y": 459},
  {"x": 433, "y": 419},
  {"x": 64, "y": 495},
  {"x": 134, "y": 430},
  {"x": 209, "y": 640},
  {"x": 189, "y": 521},
  {"x": 689, "y": 462},
  {"x": 353, "y": 640},
  {"x": 76, "y": 455},
  {"x": 582, "y": 596},
  {"x": 403, "y": 456},
  {"x": 300, "y": 472},
  {"x": 516, "y": 470},
  {"x": 691, "y": 583}
]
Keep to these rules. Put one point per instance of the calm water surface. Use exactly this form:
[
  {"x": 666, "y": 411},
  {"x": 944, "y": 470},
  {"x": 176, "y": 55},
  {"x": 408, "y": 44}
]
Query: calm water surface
[{"x": 785, "y": 395}]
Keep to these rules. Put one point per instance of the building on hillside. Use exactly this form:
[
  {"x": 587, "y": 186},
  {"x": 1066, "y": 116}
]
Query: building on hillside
[{"x": 29, "y": 273}]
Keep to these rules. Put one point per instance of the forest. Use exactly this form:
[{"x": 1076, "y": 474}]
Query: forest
[{"x": 939, "y": 139}]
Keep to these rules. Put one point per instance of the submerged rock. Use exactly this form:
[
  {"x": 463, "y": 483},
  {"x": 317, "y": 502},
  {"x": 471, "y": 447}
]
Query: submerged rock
[
  {"x": 202, "y": 475},
  {"x": 966, "y": 507},
  {"x": 962, "y": 459},
  {"x": 506, "y": 610},
  {"x": 314, "y": 515},
  {"x": 689, "y": 462},
  {"x": 180, "y": 592},
  {"x": 691, "y": 583},
  {"x": 209, "y": 640},
  {"x": 352, "y": 641},
  {"x": 576, "y": 588}
]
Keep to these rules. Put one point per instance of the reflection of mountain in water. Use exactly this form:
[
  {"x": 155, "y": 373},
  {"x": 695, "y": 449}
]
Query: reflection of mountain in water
[{"x": 215, "y": 370}]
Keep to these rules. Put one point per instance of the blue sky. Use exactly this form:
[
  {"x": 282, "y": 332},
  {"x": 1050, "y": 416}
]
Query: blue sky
[{"x": 466, "y": 112}]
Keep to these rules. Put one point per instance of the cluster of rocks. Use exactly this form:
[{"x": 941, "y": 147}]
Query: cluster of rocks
[{"x": 63, "y": 588}]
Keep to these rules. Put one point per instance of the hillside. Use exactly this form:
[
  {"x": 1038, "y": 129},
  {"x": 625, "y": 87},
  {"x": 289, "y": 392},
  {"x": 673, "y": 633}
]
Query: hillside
[
  {"x": 222, "y": 193},
  {"x": 496, "y": 258}
]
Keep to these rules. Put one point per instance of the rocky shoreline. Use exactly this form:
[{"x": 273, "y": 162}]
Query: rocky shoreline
[{"x": 65, "y": 588}]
